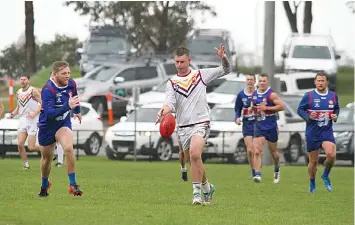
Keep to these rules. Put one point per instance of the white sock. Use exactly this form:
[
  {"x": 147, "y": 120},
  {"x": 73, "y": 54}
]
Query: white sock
[
  {"x": 60, "y": 153},
  {"x": 25, "y": 163},
  {"x": 183, "y": 169},
  {"x": 196, "y": 188},
  {"x": 206, "y": 187}
]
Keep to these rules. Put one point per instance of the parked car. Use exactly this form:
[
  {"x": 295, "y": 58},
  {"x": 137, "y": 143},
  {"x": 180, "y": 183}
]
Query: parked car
[
  {"x": 344, "y": 136},
  {"x": 226, "y": 138},
  {"x": 311, "y": 53},
  {"x": 104, "y": 44},
  {"x": 87, "y": 135},
  {"x": 297, "y": 83},
  {"x": 120, "y": 138},
  {"x": 119, "y": 78}
]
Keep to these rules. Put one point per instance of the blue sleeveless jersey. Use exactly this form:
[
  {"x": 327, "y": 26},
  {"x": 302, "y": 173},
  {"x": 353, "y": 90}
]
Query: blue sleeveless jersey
[
  {"x": 242, "y": 103},
  {"x": 55, "y": 111},
  {"x": 264, "y": 120},
  {"x": 324, "y": 105}
]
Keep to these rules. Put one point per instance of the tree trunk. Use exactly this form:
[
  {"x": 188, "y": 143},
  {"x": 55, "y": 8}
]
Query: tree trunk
[
  {"x": 292, "y": 17},
  {"x": 30, "y": 47},
  {"x": 308, "y": 18},
  {"x": 163, "y": 37}
]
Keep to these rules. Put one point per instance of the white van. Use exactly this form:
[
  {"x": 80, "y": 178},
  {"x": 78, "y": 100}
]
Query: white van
[{"x": 311, "y": 54}]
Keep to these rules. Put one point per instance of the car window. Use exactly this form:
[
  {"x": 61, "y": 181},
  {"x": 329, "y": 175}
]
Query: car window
[
  {"x": 83, "y": 110},
  {"x": 346, "y": 115},
  {"x": 103, "y": 74},
  {"x": 230, "y": 87},
  {"x": 222, "y": 114},
  {"x": 148, "y": 72},
  {"x": 206, "y": 44},
  {"x": 128, "y": 74},
  {"x": 283, "y": 86},
  {"x": 144, "y": 115},
  {"x": 311, "y": 52},
  {"x": 170, "y": 69},
  {"x": 305, "y": 83}
]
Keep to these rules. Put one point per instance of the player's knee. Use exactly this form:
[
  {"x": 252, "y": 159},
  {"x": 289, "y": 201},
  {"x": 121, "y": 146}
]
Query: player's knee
[
  {"x": 195, "y": 156},
  {"x": 331, "y": 155}
]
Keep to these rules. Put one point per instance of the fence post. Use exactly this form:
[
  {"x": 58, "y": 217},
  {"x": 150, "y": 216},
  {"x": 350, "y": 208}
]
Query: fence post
[
  {"x": 11, "y": 94},
  {"x": 109, "y": 109}
]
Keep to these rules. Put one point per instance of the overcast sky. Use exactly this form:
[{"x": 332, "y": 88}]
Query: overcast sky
[{"x": 245, "y": 20}]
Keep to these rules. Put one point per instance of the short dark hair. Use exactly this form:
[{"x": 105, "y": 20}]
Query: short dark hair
[
  {"x": 264, "y": 75},
  {"x": 321, "y": 74},
  {"x": 59, "y": 65},
  {"x": 180, "y": 51},
  {"x": 251, "y": 74},
  {"x": 25, "y": 75}
]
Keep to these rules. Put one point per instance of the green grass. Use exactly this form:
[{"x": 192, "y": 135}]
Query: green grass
[
  {"x": 122, "y": 192},
  {"x": 345, "y": 85}
]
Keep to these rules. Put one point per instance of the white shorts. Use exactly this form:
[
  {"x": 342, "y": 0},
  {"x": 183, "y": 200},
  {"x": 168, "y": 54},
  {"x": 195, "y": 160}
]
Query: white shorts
[
  {"x": 29, "y": 126},
  {"x": 185, "y": 134}
]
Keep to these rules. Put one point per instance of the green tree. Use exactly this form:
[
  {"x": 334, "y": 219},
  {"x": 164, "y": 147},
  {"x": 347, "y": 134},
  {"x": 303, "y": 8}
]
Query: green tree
[{"x": 163, "y": 25}]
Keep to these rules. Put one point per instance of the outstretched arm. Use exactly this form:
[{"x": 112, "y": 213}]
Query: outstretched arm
[{"x": 170, "y": 102}]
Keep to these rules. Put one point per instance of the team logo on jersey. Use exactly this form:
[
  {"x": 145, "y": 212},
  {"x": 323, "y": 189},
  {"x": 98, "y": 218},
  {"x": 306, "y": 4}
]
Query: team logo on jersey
[
  {"x": 331, "y": 102},
  {"x": 194, "y": 80},
  {"x": 264, "y": 99},
  {"x": 70, "y": 93},
  {"x": 176, "y": 87}
]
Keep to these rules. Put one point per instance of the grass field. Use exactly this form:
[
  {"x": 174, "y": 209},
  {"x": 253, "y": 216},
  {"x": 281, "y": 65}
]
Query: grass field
[{"x": 117, "y": 192}]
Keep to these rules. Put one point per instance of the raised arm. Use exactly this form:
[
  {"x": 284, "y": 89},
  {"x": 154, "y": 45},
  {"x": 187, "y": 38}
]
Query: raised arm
[{"x": 210, "y": 74}]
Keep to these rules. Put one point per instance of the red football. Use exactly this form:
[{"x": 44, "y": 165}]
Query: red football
[{"x": 167, "y": 125}]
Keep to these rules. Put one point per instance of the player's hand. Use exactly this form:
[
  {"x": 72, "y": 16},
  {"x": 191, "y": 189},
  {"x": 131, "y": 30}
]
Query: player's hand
[
  {"x": 221, "y": 51},
  {"x": 31, "y": 115},
  {"x": 334, "y": 117},
  {"x": 313, "y": 115},
  {"x": 78, "y": 116},
  {"x": 238, "y": 121},
  {"x": 261, "y": 107},
  {"x": 73, "y": 101},
  {"x": 159, "y": 116}
]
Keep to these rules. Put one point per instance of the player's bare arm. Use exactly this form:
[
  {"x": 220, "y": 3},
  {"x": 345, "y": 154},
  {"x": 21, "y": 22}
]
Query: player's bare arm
[
  {"x": 279, "y": 105},
  {"x": 221, "y": 53},
  {"x": 37, "y": 96},
  {"x": 162, "y": 112},
  {"x": 15, "y": 112}
]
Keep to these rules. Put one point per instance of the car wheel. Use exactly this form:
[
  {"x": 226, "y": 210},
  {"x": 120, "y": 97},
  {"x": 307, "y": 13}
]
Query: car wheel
[
  {"x": 164, "y": 150},
  {"x": 93, "y": 145},
  {"x": 293, "y": 152},
  {"x": 114, "y": 156},
  {"x": 98, "y": 105},
  {"x": 240, "y": 155}
]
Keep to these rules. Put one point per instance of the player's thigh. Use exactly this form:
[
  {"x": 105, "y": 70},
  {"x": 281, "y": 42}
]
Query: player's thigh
[
  {"x": 313, "y": 156},
  {"x": 21, "y": 137},
  {"x": 329, "y": 148},
  {"x": 248, "y": 140},
  {"x": 32, "y": 140},
  {"x": 64, "y": 136},
  {"x": 47, "y": 151},
  {"x": 199, "y": 136},
  {"x": 258, "y": 143}
]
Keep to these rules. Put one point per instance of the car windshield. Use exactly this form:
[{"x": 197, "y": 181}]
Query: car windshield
[
  {"x": 144, "y": 115},
  {"x": 311, "y": 52},
  {"x": 222, "y": 114},
  {"x": 170, "y": 69},
  {"x": 205, "y": 44},
  {"x": 230, "y": 87},
  {"x": 293, "y": 103},
  {"x": 346, "y": 115},
  {"x": 106, "y": 45},
  {"x": 103, "y": 73}
]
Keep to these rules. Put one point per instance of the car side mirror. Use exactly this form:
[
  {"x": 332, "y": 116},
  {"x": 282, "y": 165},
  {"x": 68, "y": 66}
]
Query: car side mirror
[
  {"x": 123, "y": 119},
  {"x": 337, "y": 56},
  {"x": 79, "y": 51},
  {"x": 118, "y": 80},
  {"x": 283, "y": 55}
]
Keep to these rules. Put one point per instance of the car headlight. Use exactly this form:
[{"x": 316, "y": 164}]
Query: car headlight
[
  {"x": 81, "y": 90},
  {"x": 148, "y": 133}
]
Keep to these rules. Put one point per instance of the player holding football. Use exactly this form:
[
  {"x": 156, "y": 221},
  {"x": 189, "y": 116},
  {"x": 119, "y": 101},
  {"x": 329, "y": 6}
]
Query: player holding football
[
  {"x": 28, "y": 107},
  {"x": 264, "y": 105},
  {"x": 319, "y": 108},
  {"x": 59, "y": 96},
  {"x": 186, "y": 94},
  {"x": 242, "y": 103}
]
